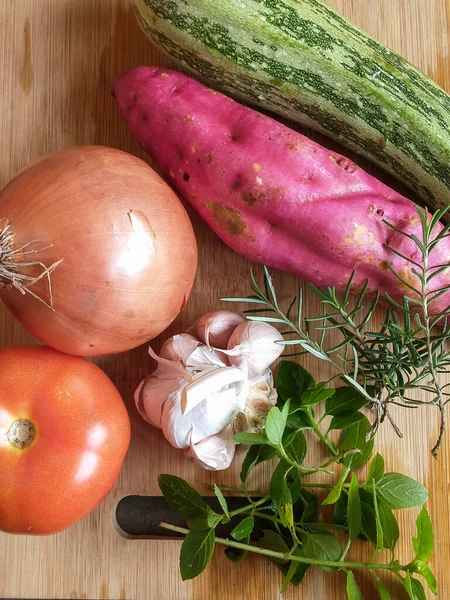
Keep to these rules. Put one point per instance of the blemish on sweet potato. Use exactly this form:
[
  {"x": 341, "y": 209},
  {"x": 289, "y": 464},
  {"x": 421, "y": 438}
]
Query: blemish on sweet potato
[
  {"x": 237, "y": 183},
  {"x": 165, "y": 75},
  {"x": 208, "y": 158},
  {"x": 188, "y": 117},
  {"x": 227, "y": 218},
  {"x": 256, "y": 167},
  {"x": 251, "y": 197},
  {"x": 292, "y": 147},
  {"x": 361, "y": 236}
]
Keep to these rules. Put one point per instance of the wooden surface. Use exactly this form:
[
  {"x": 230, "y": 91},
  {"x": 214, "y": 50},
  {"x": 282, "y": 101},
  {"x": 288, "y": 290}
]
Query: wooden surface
[{"x": 57, "y": 60}]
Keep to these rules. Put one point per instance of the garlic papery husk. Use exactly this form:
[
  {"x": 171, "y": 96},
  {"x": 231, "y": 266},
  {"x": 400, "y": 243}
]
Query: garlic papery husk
[
  {"x": 215, "y": 328},
  {"x": 215, "y": 452},
  {"x": 252, "y": 345},
  {"x": 209, "y": 417},
  {"x": 179, "y": 348},
  {"x": 262, "y": 396}
]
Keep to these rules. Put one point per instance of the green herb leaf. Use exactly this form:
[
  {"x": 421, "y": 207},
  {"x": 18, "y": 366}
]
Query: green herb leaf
[
  {"x": 292, "y": 381},
  {"x": 317, "y": 394},
  {"x": 345, "y": 399},
  {"x": 275, "y": 424},
  {"x": 354, "y": 515},
  {"x": 340, "y": 511},
  {"x": 210, "y": 520},
  {"x": 196, "y": 552},
  {"x": 222, "y": 501},
  {"x": 424, "y": 570},
  {"x": 353, "y": 589},
  {"x": 243, "y": 529},
  {"x": 423, "y": 543},
  {"x": 400, "y": 491},
  {"x": 378, "y": 526},
  {"x": 376, "y": 468},
  {"x": 251, "y": 438},
  {"x": 335, "y": 493},
  {"x": 414, "y": 588},
  {"x": 389, "y": 525},
  {"x": 294, "y": 484},
  {"x": 186, "y": 501},
  {"x": 322, "y": 546},
  {"x": 381, "y": 588},
  {"x": 345, "y": 419},
  {"x": 300, "y": 420},
  {"x": 271, "y": 540},
  {"x": 296, "y": 449},
  {"x": 255, "y": 456},
  {"x": 306, "y": 507},
  {"x": 279, "y": 490},
  {"x": 355, "y": 437},
  {"x": 236, "y": 555}
]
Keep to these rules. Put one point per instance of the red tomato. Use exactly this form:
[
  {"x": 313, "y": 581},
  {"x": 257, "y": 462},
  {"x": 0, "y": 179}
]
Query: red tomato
[{"x": 64, "y": 432}]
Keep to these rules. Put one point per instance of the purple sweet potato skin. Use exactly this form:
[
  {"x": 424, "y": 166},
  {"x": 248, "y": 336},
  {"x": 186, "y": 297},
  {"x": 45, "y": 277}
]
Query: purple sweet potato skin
[{"x": 270, "y": 193}]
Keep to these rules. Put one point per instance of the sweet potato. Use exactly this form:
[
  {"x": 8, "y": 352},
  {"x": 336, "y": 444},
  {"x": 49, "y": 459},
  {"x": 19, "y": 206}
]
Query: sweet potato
[{"x": 270, "y": 193}]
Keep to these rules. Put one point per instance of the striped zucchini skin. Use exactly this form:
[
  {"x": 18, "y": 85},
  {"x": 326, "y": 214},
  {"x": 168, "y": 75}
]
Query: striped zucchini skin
[{"x": 304, "y": 61}]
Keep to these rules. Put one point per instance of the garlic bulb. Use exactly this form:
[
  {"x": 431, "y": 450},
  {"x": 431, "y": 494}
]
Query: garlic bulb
[{"x": 199, "y": 395}]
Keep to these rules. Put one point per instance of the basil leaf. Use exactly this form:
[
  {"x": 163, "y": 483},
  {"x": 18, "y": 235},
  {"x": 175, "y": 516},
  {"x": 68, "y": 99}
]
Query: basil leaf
[
  {"x": 378, "y": 527},
  {"x": 306, "y": 507},
  {"x": 275, "y": 424},
  {"x": 292, "y": 381},
  {"x": 424, "y": 570},
  {"x": 210, "y": 520},
  {"x": 354, "y": 515},
  {"x": 255, "y": 456},
  {"x": 271, "y": 540},
  {"x": 355, "y": 437},
  {"x": 251, "y": 438},
  {"x": 221, "y": 499},
  {"x": 381, "y": 588},
  {"x": 389, "y": 525},
  {"x": 376, "y": 468},
  {"x": 186, "y": 501},
  {"x": 400, "y": 491},
  {"x": 414, "y": 588},
  {"x": 345, "y": 419},
  {"x": 300, "y": 420},
  {"x": 297, "y": 448},
  {"x": 317, "y": 394},
  {"x": 336, "y": 492},
  {"x": 236, "y": 555},
  {"x": 279, "y": 490},
  {"x": 322, "y": 546},
  {"x": 423, "y": 543},
  {"x": 353, "y": 589},
  {"x": 344, "y": 399},
  {"x": 196, "y": 552},
  {"x": 340, "y": 511},
  {"x": 243, "y": 529},
  {"x": 294, "y": 484}
]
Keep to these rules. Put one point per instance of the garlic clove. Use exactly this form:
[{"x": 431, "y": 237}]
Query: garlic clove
[
  {"x": 252, "y": 346},
  {"x": 215, "y": 328},
  {"x": 203, "y": 358},
  {"x": 201, "y": 388},
  {"x": 215, "y": 452},
  {"x": 152, "y": 392},
  {"x": 207, "y": 418},
  {"x": 179, "y": 348}
]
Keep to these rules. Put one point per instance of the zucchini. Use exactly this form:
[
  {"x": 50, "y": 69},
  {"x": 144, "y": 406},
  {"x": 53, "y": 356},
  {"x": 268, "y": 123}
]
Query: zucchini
[{"x": 305, "y": 62}]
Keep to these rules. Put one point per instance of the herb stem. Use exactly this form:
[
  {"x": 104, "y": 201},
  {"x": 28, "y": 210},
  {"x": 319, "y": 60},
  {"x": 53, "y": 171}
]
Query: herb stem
[
  {"x": 249, "y": 507},
  {"x": 325, "y": 439},
  {"x": 286, "y": 555}
]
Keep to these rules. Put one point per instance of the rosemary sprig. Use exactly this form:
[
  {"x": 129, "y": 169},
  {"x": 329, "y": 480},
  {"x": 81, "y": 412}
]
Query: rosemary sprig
[{"x": 407, "y": 353}]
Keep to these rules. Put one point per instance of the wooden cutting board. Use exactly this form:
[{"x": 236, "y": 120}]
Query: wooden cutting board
[{"x": 57, "y": 60}]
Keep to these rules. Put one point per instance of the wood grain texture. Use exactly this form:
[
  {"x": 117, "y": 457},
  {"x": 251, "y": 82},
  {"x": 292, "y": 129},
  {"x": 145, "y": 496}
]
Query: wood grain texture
[{"x": 57, "y": 61}]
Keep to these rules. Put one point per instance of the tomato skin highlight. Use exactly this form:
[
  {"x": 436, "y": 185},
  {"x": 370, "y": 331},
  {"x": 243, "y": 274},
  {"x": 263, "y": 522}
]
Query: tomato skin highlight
[{"x": 82, "y": 434}]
